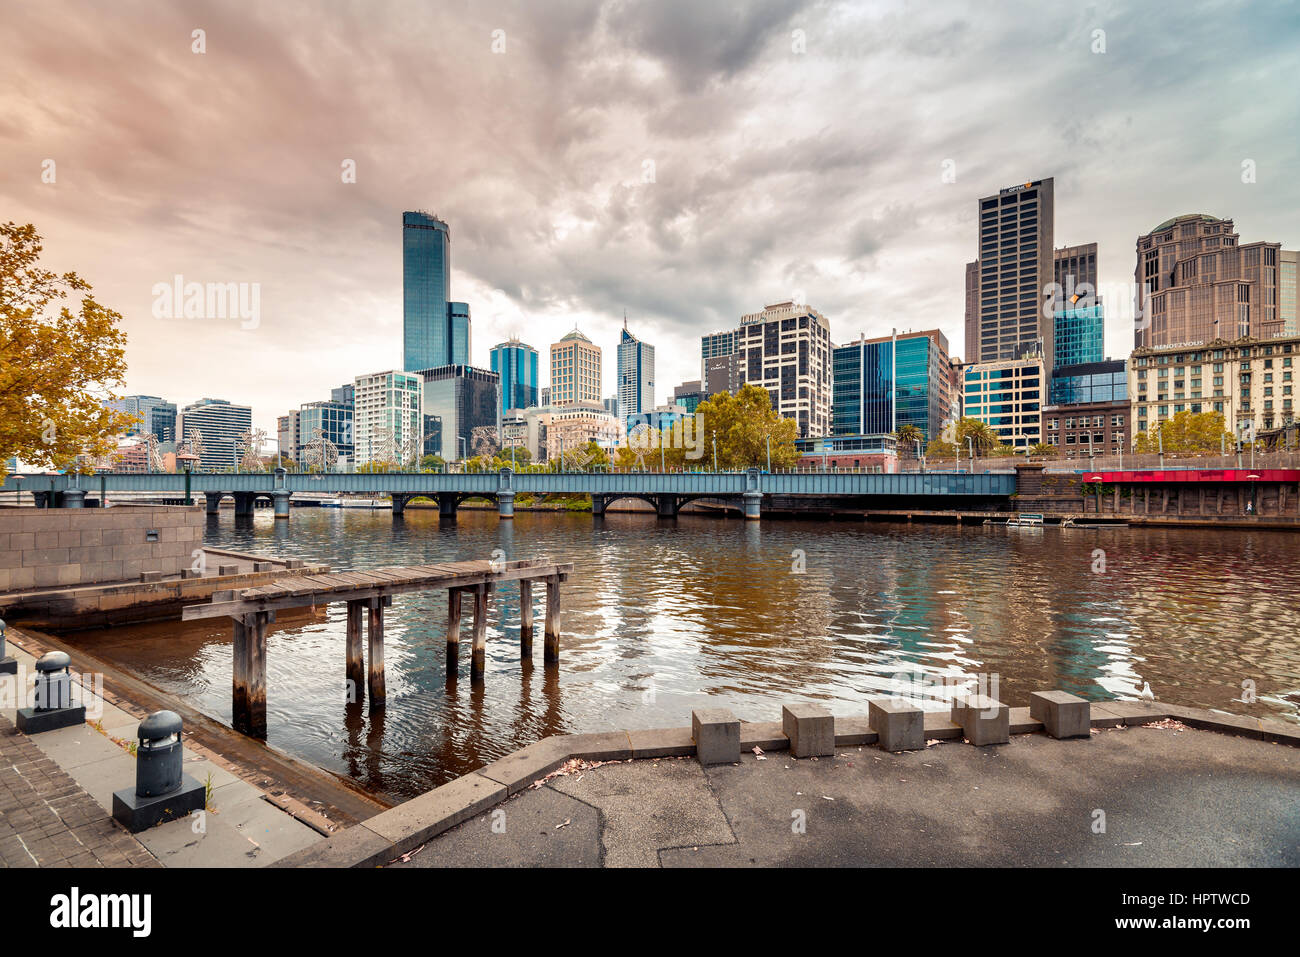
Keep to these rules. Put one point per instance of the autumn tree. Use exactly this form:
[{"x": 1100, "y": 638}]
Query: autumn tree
[
  {"x": 57, "y": 369},
  {"x": 1187, "y": 432},
  {"x": 743, "y": 425}
]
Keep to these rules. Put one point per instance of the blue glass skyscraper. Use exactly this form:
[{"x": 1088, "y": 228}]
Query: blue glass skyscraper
[
  {"x": 516, "y": 363},
  {"x": 1079, "y": 336},
  {"x": 435, "y": 331},
  {"x": 881, "y": 385}
]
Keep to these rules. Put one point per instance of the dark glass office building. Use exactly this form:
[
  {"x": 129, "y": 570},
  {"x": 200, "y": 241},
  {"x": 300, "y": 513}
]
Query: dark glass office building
[
  {"x": 1087, "y": 383},
  {"x": 881, "y": 385},
  {"x": 435, "y": 331},
  {"x": 463, "y": 399},
  {"x": 1079, "y": 336}
]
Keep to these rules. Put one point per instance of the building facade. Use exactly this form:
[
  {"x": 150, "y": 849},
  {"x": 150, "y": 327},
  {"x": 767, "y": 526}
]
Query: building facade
[
  {"x": 575, "y": 371},
  {"x": 636, "y": 375},
  {"x": 1007, "y": 395},
  {"x": 435, "y": 331},
  {"x": 1086, "y": 429},
  {"x": 689, "y": 395},
  {"x": 286, "y": 434},
  {"x": 1196, "y": 282},
  {"x": 467, "y": 403},
  {"x": 1016, "y": 272},
  {"x": 387, "y": 426},
  {"x": 517, "y": 365},
  {"x": 1251, "y": 381},
  {"x": 786, "y": 349},
  {"x": 1078, "y": 335},
  {"x": 222, "y": 424},
  {"x": 715, "y": 345},
  {"x": 880, "y": 385},
  {"x": 573, "y": 427},
  {"x": 156, "y": 415}
]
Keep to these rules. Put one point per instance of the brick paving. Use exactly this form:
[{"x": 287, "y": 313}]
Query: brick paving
[{"x": 48, "y": 820}]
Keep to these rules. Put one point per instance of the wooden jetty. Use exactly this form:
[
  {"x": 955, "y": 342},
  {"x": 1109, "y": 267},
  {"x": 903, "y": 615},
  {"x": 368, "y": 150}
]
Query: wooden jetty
[{"x": 367, "y": 594}]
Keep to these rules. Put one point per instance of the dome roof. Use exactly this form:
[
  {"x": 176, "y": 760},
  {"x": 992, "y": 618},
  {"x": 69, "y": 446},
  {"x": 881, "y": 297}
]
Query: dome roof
[{"x": 1201, "y": 217}]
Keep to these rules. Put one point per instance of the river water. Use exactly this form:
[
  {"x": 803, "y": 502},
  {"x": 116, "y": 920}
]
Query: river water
[{"x": 663, "y": 617}]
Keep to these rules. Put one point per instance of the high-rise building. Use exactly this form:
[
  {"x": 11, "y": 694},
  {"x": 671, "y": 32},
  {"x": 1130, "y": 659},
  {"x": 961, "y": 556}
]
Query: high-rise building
[
  {"x": 1016, "y": 272},
  {"x": 883, "y": 384},
  {"x": 575, "y": 371},
  {"x": 714, "y": 345},
  {"x": 222, "y": 424},
  {"x": 973, "y": 307},
  {"x": 636, "y": 375},
  {"x": 1008, "y": 395},
  {"x": 611, "y": 405},
  {"x": 1088, "y": 409},
  {"x": 334, "y": 419},
  {"x": 785, "y": 349},
  {"x": 689, "y": 395},
  {"x": 516, "y": 363},
  {"x": 155, "y": 414},
  {"x": 544, "y": 396},
  {"x": 1074, "y": 270},
  {"x": 435, "y": 331},
  {"x": 1202, "y": 284},
  {"x": 467, "y": 403},
  {"x": 1287, "y": 262},
  {"x": 1078, "y": 335},
  {"x": 287, "y": 435},
  {"x": 387, "y": 426}
]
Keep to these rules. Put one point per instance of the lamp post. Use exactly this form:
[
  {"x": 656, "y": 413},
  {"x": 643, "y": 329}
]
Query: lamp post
[
  {"x": 918, "y": 454},
  {"x": 18, "y": 491},
  {"x": 714, "y": 436},
  {"x": 186, "y": 460},
  {"x": 769, "y": 453},
  {"x": 970, "y": 444}
]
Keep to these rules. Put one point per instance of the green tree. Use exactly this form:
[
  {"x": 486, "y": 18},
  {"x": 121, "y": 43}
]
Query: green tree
[
  {"x": 743, "y": 425},
  {"x": 908, "y": 436},
  {"x": 1042, "y": 448},
  {"x": 56, "y": 369},
  {"x": 1187, "y": 432},
  {"x": 431, "y": 463}
]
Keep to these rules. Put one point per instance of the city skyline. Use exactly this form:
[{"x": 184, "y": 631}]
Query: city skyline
[{"x": 855, "y": 217}]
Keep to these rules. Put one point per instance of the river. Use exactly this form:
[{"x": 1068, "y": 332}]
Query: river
[{"x": 663, "y": 617}]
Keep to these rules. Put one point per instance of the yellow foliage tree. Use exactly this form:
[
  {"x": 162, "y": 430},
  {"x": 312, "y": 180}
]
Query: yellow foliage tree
[
  {"x": 1194, "y": 432},
  {"x": 743, "y": 425},
  {"x": 56, "y": 369}
]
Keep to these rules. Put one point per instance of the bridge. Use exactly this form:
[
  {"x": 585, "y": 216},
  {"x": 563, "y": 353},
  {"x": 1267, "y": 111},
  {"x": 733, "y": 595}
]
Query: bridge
[{"x": 666, "y": 491}]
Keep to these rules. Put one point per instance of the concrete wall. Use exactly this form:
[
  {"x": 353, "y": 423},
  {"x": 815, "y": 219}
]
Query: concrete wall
[{"x": 42, "y": 548}]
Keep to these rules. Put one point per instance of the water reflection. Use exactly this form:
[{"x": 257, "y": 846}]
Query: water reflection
[{"x": 662, "y": 617}]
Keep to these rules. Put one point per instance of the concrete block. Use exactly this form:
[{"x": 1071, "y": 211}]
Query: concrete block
[
  {"x": 227, "y": 569},
  {"x": 983, "y": 719},
  {"x": 1023, "y": 723},
  {"x": 1063, "y": 715},
  {"x": 151, "y": 576},
  {"x": 32, "y": 721},
  {"x": 810, "y": 728},
  {"x": 410, "y": 824},
  {"x": 521, "y": 768},
  {"x": 716, "y": 733},
  {"x": 137, "y": 813},
  {"x": 899, "y": 723}
]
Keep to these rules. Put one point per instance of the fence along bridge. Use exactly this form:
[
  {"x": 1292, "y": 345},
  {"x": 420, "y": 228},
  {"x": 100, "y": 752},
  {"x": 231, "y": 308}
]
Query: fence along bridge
[
  {"x": 667, "y": 491},
  {"x": 367, "y": 594}
]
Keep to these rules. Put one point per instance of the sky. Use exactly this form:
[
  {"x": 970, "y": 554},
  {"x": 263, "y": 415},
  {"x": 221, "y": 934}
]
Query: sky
[{"x": 680, "y": 161}]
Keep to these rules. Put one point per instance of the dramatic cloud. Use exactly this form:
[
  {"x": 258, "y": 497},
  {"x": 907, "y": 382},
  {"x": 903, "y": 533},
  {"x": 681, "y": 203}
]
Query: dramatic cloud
[{"x": 685, "y": 161}]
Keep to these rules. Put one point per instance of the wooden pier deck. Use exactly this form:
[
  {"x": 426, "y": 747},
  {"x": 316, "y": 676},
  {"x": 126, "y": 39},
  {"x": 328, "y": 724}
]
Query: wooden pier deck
[{"x": 367, "y": 594}]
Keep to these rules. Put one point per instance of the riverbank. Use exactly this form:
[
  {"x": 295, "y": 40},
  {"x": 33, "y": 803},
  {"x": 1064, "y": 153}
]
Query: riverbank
[{"x": 1194, "y": 787}]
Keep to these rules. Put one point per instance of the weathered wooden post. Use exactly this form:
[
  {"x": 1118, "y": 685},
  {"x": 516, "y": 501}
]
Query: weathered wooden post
[
  {"x": 525, "y": 618},
  {"x": 453, "y": 633},
  {"x": 248, "y": 710},
  {"x": 375, "y": 633},
  {"x": 478, "y": 659},
  {"x": 551, "y": 650},
  {"x": 356, "y": 666}
]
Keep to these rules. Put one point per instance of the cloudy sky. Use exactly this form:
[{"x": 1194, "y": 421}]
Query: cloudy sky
[{"x": 684, "y": 160}]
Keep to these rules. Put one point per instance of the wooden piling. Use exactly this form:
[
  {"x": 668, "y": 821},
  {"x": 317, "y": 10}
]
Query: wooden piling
[
  {"x": 375, "y": 632},
  {"x": 248, "y": 706},
  {"x": 525, "y": 618},
  {"x": 356, "y": 665},
  {"x": 551, "y": 651},
  {"x": 453, "y": 633},
  {"x": 478, "y": 659}
]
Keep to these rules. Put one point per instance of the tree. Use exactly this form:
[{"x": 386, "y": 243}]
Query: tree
[
  {"x": 1042, "y": 448},
  {"x": 432, "y": 463},
  {"x": 743, "y": 425},
  {"x": 56, "y": 370},
  {"x": 908, "y": 436},
  {"x": 1187, "y": 432}
]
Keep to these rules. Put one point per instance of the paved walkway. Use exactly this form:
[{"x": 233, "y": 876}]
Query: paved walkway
[{"x": 1170, "y": 798}]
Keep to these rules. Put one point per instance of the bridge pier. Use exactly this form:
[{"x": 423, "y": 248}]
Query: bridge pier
[
  {"x": 399, "y": 505},
  {"x": 505, "y": 504},
  {"x": 525, "y": 619},
  {"x": 447, "y": 508},
  {"x": 280, "y": 501},
  {"x": 753, "y": 505},
  {"x": 598, "y": 505},
  {"x": 666, "y": 506},
  {"x": 74, "y": 498},
  {"x": 248, "y": 706},
  {"x": 212, "y": 501},
  {"x": 244, "y": 504}
]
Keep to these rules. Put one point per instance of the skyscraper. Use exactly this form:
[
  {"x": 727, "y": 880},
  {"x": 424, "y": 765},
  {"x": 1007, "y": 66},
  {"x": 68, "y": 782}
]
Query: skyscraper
[
  {"x": 221, "y": 423},
  {"x": 387, "y": 426},
  {"x": 516, "y": 363},
  {"x": 1016, "y": 272},
  {"x": 464, "y": 400},
  {"x": 435, "y": 331},
  {"x": 786, "y": 349},
  {"x": 636, "y": 375},
  {"x": 883, "y": 384},
  {"x": 575, "y": 371},
  {"x": 156, "y": 415}
]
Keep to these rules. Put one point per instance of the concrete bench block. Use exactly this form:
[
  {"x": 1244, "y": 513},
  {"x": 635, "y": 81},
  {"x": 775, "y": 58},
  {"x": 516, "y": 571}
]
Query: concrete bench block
[
  {"x": 227, "y": 569},
  {"x": 810, "y": 728},
  {"x": 900, "y": 725},
  {"x": 983, "y": 719},
  {"x": 151, "y": 576},
  {"x": 263, "y": 566},
  {"x": 716, "y": 732},
  {"x": 1063, "y": 715}
]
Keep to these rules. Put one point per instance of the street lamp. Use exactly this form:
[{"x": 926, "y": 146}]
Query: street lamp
[
  {"x": 970, "y": 444},
  {"x": 18, "y": 491},
  {"x": 714, "y": 436},
  {"x": 769, "y": 453},
  {"x": 187, "y": 459}
]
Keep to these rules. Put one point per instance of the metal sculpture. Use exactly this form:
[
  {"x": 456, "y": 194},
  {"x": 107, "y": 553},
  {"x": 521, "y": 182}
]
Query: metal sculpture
[
  {"x": 320, "y": 454},
  {"x": 249, "y": 446}
]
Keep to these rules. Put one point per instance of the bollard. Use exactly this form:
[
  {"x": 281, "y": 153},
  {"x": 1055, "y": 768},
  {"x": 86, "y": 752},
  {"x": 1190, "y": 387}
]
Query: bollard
[
  {"x": 53, "y": 697},
  {"x": 163, "y": 791},
  {"x": 8, "y": 666}
]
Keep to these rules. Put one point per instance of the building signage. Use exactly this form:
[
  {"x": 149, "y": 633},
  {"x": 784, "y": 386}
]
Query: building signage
[{"x": 1020, "y": 188}]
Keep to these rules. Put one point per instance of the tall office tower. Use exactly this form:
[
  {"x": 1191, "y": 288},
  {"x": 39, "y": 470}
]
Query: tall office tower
[
  {"x": 222, "y": 423},
  {"x": 1203, "y": 284},
  {"x": 387, "y": 426},
  {"x": 516, "y": 364},
  {"x": 575, "y": 371},
  {"x": 722, "y": 374},
  {"x": 467, "y": 403},
  {"x": 973, "y": 307},
  {"x": 435, "y": 331},
  {"x": 544, "y": 396},
  {"x": 636, "y": 375},
  {"x": 883, "y": 384},
  {"x": 714, "y": 345},
  {"x": 1287, "y": 263},
  {"x": 786, "y": 349},
  {"x": 1078, "y": 335},
  {"x": 1074, "y": 270},
  {"x": 156, "y": 415},
  {"x": 1017, "y": 269},
  {"x": 611, "y": 405}
]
